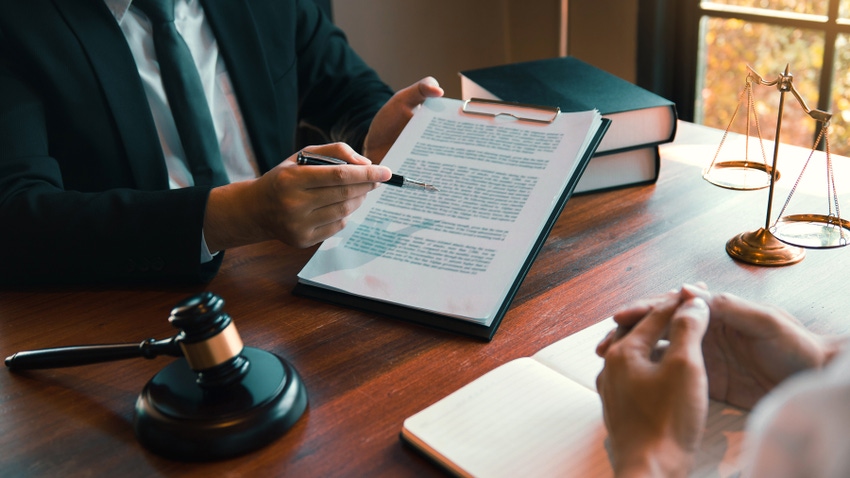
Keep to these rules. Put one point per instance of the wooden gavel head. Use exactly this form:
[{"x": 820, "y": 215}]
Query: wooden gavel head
[
  {"x": 220, "y": 399},
  {"x": 209, "y": 340}
]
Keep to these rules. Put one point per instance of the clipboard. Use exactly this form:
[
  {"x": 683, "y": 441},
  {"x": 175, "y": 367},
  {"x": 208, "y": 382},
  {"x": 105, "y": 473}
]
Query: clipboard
[
  {"x": 488, "y": 108},
  {"x": 518, "y": 111}
]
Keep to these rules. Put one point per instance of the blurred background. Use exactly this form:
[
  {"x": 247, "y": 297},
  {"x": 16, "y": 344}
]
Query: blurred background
[{"x": 693, "y": 52}]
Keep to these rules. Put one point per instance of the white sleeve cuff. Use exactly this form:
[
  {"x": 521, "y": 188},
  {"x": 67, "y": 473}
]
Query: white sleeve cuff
[{"x": 206, "y": 255}]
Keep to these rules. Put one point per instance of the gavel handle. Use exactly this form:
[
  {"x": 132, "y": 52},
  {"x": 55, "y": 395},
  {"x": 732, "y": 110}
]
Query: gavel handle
[{"x": 89, "y": 354}]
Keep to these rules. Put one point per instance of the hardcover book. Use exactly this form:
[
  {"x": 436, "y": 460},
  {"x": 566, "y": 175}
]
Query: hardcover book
[
  {"x": 614, "y": 170},
  {"x": 640, "y": 118}
]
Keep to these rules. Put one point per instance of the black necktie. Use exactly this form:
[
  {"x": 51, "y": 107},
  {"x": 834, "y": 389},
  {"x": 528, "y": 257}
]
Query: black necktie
[{"x": 185, "y": 94}]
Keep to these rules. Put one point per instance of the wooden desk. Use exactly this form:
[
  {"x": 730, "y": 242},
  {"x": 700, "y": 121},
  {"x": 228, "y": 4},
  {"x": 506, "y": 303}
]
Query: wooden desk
[{"x": 365, "y": 373}]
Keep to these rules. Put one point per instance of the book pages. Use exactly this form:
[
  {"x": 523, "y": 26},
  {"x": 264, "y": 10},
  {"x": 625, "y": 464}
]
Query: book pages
[
  {"x": 575, "y": 355},
  {"x": 541, "y": 416},
  {"x": 521, "y": 419}
]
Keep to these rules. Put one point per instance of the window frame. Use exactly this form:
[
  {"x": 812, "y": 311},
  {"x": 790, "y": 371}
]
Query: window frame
[{"x": 668, "y": 45}]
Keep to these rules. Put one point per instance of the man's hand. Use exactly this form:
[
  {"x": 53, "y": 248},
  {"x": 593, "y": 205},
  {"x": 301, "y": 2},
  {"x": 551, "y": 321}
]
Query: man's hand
[
  {"x": 298, "y": 205},
  {"x": 749, "y": 348},
  {"x": 393, "y": 117},
  {"x": 655, "y": 408}
]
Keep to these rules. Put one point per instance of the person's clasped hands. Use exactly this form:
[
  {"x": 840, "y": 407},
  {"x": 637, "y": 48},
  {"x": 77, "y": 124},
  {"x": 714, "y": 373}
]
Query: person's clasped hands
[
  {"x": 670, "y": 353},
  {"x": 302, "y": 206}
]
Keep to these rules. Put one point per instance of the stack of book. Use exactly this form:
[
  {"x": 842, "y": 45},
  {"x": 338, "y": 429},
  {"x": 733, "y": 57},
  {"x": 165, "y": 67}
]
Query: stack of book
[{"x": 641, "y": 120}]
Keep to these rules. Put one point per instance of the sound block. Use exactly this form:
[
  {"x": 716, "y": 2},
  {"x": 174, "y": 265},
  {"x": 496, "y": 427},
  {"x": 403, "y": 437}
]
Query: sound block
[{"x": 178, "y": 419}]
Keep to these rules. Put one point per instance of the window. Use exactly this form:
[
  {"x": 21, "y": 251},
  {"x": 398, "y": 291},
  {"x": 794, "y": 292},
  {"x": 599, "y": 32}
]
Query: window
[{"x": 719, "y": 39}]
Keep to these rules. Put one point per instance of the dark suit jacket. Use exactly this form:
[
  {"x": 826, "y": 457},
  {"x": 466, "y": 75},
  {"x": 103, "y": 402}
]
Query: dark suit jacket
[{"x": 84, "y": 191}]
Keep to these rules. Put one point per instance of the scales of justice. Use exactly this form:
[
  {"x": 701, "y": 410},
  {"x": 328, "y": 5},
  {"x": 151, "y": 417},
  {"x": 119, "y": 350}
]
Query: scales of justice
[{"x": 785, "y": 240}]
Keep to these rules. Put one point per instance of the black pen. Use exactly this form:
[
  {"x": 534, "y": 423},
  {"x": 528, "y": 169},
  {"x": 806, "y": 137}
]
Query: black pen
[{"x": 314, "y": 159}]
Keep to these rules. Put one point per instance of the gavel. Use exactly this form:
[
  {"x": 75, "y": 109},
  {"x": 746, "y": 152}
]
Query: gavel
[{"x": 218, "y": 400}]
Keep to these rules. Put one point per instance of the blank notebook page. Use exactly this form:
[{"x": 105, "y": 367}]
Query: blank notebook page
[{"x": 521, "y": 419}]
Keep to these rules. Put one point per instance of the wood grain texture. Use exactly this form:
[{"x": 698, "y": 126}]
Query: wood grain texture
[{"x": 366, "y": 373}]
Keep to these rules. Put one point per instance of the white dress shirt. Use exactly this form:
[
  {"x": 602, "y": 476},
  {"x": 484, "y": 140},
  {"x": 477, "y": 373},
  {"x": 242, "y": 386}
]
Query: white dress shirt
[{"x": 236, "y": 150}]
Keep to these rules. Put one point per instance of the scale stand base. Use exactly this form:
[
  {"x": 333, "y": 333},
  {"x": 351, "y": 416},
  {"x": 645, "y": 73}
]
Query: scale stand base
[
  {"x": 762, "y": 248},
  {"x": 180, "y": 420}
]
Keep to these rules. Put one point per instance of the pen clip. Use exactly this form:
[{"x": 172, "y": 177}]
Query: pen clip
[{"x": 306, "y": 157}]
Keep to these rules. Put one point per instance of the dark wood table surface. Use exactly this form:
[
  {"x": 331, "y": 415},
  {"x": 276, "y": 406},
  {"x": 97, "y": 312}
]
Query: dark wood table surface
[{"x": 366, "y": 373}]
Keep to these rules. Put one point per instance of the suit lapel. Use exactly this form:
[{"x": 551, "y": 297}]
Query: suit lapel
[
  {"x": 236, "y": 33},
  {"x": 111, "y": 59},
  {"x": 113, "y": 63}
]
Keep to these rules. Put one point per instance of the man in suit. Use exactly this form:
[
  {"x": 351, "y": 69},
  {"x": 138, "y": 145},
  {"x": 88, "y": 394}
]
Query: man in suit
[{"x": 93, "y": 183}]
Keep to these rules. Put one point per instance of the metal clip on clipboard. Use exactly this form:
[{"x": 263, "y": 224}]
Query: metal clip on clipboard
[{"x": 519, "y": 111}]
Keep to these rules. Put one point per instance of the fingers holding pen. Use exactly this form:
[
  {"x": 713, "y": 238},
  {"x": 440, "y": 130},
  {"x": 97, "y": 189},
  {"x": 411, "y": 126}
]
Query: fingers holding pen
[
  {"x": 340, "y": 151},
  {"x": 341, "y": 176},
  {"x": 634, "y": 313},
  {"x": 338, "y": 189},
  {"x": 685, "y": 326},
  {"x": 645, "y": 321},
  {"x": 642, "y": 355},
  {"x": 686, "y": 330},
  {"x": 682, "y": 324},
  {"x": 656, "y": 407},
  {"x": 304, "y": 205}
]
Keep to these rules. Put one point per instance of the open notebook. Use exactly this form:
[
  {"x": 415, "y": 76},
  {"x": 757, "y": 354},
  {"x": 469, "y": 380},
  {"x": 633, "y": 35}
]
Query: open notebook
[{"x": 541, "y": 416}]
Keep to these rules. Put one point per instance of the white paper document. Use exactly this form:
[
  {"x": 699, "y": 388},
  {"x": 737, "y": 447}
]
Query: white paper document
[{"x": 457, "y": 251}]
